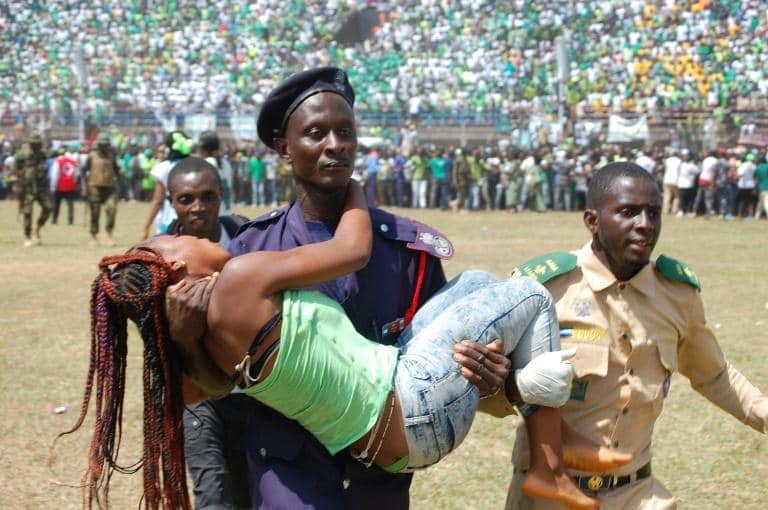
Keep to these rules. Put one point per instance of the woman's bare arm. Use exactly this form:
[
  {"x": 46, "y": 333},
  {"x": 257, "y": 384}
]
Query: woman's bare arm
[
  {"x": 242, "y": 301},
  {"x": 349, "y": 250}
]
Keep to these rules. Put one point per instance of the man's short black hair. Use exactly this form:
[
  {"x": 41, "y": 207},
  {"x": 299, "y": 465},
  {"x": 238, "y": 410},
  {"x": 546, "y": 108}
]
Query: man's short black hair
[
  {"x": 190, "y": 165},
  {"x": 602, "y": 181},
  {"x": 209, "y": 141}
]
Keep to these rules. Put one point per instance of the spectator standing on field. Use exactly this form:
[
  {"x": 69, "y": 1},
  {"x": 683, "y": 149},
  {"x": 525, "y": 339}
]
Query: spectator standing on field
[
  {"x": 418, "y": 169},
  {"x": 669, "y": 183},
  {"x": 761, "y": 176},
  {"x": 706, "y": 185},
  {"x": 686, "y": 183},
  {"x": 257, "y": 169},
  {"x": 209, "y": 148},
  {"x": 178, "y": 146},
  {"x": 745, "y": 196},
  {"x": 65, "y": 174}
]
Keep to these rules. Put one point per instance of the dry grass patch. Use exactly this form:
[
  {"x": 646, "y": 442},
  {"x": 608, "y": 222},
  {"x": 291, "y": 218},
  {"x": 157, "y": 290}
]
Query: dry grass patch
[{"x": 705, "y": 457}]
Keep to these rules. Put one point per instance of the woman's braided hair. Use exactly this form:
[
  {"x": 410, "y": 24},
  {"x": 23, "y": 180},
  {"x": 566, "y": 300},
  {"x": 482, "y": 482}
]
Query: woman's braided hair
[{"x": 132, "y": 286}]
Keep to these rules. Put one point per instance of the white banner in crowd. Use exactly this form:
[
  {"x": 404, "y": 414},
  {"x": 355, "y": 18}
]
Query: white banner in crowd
[
  {"x": 243, "y": 126},
  {"x": 167, "y": 120},
  {"x": 621, "y": 130},
  {"x": 196, "y": 123},
  {"x": 752, "y": 135}
]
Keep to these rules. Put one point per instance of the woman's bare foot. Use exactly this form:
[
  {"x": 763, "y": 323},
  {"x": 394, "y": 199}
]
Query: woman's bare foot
[
  {"x": 559, "y": 487},
  {"x": 583, "y": 455}
]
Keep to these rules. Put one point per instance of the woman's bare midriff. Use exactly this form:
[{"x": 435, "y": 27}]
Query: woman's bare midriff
[{"x": 394, "y": 446}]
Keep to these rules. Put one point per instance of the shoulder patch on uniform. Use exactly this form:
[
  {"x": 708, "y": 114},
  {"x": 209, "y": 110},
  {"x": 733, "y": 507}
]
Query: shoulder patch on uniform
[
  {"x": 270, "y": 216},
  {"x": 233, "y": 224},
  {"x": 676, "y": 270},
  {"x": 431, "y": 241},
  {"x": 546, "y": 267},
  {"x": 417, "y": 236}
]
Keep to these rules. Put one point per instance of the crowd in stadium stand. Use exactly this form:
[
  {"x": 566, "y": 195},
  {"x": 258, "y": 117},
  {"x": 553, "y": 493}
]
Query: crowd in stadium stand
[{"x": 422, "y": 56}]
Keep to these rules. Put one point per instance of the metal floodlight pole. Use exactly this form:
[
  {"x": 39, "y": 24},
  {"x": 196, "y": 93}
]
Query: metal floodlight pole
[
  {"x": 562, "y": 56},
  {"x": 82, "y": 74}
]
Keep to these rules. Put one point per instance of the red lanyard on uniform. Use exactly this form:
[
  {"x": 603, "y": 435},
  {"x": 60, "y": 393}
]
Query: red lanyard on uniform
[{"x": 417, "y": 292}]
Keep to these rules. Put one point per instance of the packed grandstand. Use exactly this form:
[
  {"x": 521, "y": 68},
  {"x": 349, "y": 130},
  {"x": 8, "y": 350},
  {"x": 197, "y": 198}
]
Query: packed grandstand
[{"x": 409, "y": 57}]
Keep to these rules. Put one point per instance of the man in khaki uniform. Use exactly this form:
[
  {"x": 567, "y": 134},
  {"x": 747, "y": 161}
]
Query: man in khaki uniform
[
  {"x": 101, "y": 175},
  {"x": 634, "y": 322}
]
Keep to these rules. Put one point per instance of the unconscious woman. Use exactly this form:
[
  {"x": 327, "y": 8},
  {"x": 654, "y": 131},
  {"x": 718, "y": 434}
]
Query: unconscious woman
[{"x": 401, "y": 407}]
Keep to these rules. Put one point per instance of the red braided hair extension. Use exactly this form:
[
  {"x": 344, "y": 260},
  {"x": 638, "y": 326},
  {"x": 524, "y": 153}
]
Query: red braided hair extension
[{"x": 132, "y": 286}]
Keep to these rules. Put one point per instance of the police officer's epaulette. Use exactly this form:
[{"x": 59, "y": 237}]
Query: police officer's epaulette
[
  {"x": 546, "y": 267},
  {"x": 676, "y": 270},
  {"x": 263, "y": 220},
  {"x": 233, "y": 223},
  {"x": 417, "y": 236}
]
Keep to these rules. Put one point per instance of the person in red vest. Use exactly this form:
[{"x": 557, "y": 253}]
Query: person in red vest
[{"x": 65, "y": 173}]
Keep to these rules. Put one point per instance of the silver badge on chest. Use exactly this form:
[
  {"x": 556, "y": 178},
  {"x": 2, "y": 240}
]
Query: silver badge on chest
[{"x": 582, "y": 308}]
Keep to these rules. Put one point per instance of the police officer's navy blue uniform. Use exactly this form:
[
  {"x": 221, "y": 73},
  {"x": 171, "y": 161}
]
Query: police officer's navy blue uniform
[{"x": 288, "y": 467}]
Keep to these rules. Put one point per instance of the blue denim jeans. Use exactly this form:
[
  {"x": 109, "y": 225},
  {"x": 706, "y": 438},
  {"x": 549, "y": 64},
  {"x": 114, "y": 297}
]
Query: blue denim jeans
[
  {"x": 258, "y": 195},
  {"x": 438, "y": 404}
]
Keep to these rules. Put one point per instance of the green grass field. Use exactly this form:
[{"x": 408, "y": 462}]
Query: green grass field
[{"x": 705, "y": 457}]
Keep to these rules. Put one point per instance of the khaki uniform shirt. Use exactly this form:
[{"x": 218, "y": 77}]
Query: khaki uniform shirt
[{"x": 630, "y": 337}]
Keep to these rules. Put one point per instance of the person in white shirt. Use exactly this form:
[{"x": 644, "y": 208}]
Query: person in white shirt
[
  {"x": 645, "y": 161},
  {"x": 209, "y": 149},
  {"x": 686, "y": 184},
  {"x": 669, "y": 183},
  {"x": 745, "y": 196},
  {"x": 706, "y": 191},
  {"x": 161, "y": 214}
]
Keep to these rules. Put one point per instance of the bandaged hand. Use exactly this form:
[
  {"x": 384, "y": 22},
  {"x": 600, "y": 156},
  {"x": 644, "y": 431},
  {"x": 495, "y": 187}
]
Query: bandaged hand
[{"x": 546, "y": 380}]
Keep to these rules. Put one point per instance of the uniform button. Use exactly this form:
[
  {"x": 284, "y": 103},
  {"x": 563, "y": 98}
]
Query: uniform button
[
  {"x": 631, "y": 371},
  {"x": 195, "y": 423},
  {"x": 624, "y": 336},
  {"x": 263, "y": 452},
  {"x": 384, "y": 227},
  {"x": 622, "y": 286},
  {"x": 615, "y": 444},
  {"x": 346, "y": 483},
  {"x": 624, "y": 411}
]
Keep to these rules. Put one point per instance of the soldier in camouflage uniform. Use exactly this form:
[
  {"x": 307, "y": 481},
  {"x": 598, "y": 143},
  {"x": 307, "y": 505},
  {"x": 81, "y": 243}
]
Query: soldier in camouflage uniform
[
  {"x": 461, "y": 180},
  {"x": 285, "y": 186},
  {"x": 30, "y": 184},
  {"x": 101, "y": 173}
]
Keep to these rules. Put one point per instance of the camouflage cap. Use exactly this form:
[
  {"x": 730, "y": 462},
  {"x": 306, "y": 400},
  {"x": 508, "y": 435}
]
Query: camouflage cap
[
  {"x": 34, "y": 137},
  {"x": 103, "y": 139}
]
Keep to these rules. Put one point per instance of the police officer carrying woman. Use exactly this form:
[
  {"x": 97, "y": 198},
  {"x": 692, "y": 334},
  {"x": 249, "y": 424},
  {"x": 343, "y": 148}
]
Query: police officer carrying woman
[{"x": 309, "y": 121}]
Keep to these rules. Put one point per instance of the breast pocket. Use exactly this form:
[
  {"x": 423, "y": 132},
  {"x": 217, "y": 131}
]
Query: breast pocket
[
  {"x": 667, "y": 348},
  {"x": 591, "y": 358},
  {"x": 658, "y": 374}
]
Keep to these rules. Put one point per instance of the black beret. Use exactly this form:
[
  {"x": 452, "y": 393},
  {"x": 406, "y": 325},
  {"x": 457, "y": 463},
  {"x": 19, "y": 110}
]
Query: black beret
[{"x": 283, "y": 100}]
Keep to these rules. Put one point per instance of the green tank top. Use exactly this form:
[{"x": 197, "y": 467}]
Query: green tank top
[{"x": 327, "y": 377}]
